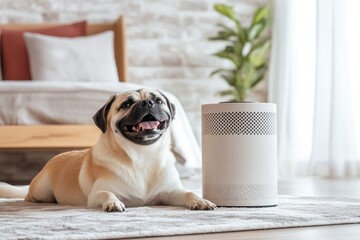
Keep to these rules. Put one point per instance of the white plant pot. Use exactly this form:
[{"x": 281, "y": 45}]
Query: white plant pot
[{"x": 239, "y": 154}]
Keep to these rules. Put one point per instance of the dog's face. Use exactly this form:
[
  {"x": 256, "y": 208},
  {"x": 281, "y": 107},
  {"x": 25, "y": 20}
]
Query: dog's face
[{"x": 140, "y": 116}]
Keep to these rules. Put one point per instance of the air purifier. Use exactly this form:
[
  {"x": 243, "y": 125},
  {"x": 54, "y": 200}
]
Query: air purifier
[{"x": 239, "y": 154}]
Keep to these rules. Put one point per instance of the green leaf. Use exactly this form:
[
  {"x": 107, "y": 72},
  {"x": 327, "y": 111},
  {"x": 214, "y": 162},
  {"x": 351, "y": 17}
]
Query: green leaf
[
  {"x": 229, "y": 78},
  {"x": 247, "y": 71},
  {"x": 261, "y": 15},
  {"x": 246, "y": 49},
  {"x": 216, "y": 72},
  {"x": 221, "y": 25},
  {"x": 219, "y": 71},
  {"x": 260, "y": 22},
  {"x": 229, "y": 49},
  {"x": 255, "y": 31},
  {"x": 225, "y": 34},
  {"x": 229, "y": 12},
  {"x": 260, "y": 73},
  {"x": 260, "y": 41},
  {"x": 258, "y": 56},
  {"x": 240, "y": 32},
  {"x": 225, "y": 10},
  {"x": 226, "y": 92},
  {"x": 238, "y": 78},
  {"x": 224, "y": 27},
  {"x": 229, "y": 55},
  {"x": 238, "y": 48}
]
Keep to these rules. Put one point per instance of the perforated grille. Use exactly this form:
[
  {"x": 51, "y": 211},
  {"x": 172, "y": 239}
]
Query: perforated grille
[
  {"x": 240, "y": 192},
  {"x": 239, "y": 123}
]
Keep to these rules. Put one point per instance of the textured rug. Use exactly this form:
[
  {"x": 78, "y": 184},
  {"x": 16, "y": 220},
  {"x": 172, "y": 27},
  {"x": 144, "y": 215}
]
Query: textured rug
[{"x": 20, "y": 220}]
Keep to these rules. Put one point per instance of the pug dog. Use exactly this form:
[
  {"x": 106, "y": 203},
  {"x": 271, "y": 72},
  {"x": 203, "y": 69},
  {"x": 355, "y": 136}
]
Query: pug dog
[{"x": 131, "y": 165}]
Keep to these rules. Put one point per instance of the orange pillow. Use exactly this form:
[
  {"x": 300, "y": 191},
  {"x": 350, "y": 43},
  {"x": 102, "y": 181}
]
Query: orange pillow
[{"x": 15, "y": 61}]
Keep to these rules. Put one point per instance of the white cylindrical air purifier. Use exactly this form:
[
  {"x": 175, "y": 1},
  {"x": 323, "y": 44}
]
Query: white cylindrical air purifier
[{"x": 239, "y": 152}]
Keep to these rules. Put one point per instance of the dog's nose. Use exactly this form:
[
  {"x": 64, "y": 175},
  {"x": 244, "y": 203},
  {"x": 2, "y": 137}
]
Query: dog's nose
[{"x": 149, "y": 103}]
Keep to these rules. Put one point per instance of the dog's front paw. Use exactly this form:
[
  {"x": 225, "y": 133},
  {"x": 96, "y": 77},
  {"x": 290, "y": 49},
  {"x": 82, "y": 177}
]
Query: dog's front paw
[
  {"x": 197, "y": 203},
  {"x": 113, "y": 206}
]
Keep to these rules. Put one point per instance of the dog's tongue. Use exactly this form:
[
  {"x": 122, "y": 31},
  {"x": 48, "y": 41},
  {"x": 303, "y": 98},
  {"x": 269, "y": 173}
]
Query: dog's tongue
[{"x": 148, "y": 125}]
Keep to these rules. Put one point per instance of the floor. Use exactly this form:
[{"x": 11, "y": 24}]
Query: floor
[{"x": 300, "y": 186}]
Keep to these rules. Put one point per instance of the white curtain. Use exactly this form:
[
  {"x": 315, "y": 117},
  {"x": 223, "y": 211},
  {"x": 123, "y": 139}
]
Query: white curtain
[{"x": 313, "y": 76}]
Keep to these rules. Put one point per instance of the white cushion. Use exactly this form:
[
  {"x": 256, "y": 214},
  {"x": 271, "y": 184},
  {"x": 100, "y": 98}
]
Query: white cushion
[{"x": 85, "y": 59}]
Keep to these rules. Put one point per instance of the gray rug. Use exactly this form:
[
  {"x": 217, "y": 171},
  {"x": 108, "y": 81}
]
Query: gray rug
[{"x": 19, "y": 219}]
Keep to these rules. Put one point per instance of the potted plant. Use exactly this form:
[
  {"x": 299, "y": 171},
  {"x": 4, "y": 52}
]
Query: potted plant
[{"x": 247, "y": 48}]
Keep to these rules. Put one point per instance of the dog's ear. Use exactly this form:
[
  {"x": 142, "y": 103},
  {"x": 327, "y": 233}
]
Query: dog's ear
[
  {"x": 100, "y": 118},
  {"x": 170, "y": 105},
  {"x": 172, "y": 109}
]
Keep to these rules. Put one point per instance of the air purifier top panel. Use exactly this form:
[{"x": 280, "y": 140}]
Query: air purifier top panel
[{"x": 238, "y": 106}]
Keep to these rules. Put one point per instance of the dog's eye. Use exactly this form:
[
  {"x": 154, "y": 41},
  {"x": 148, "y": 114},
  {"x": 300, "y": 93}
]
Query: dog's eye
[
  {"x": 158, "y": 101},
  {"x": 125, "y": 105}
]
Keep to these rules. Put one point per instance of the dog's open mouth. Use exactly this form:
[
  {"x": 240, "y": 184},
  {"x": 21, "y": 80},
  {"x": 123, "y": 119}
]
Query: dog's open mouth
[
  {"x": 147, "y": 131},
  {"x": 148, "y": 123}
]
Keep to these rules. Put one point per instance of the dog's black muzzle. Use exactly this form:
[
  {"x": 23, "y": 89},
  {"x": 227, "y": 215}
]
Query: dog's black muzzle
[{"x": 146, "y": 122}]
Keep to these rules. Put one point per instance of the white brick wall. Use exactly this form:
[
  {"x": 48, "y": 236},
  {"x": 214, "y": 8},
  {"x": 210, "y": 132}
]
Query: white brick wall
[{"x": 166, "y": 38}]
